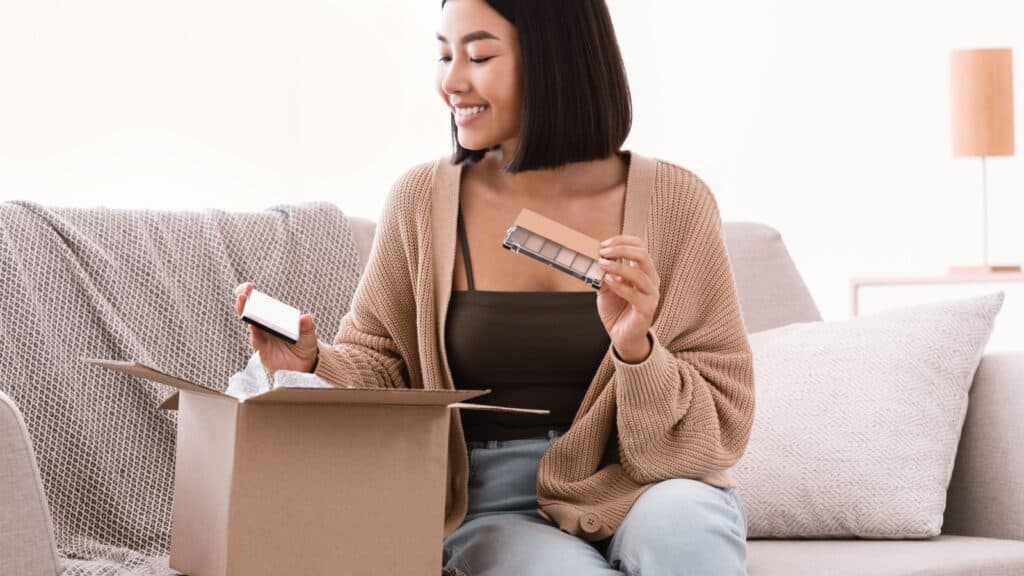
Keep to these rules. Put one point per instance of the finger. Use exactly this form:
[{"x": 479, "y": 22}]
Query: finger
[
  {"x": 259, "y": 338},
  {"x": 622, "y": 239},
  {"x": 627, "y": 239},
  {"x": 243, "y": 288},
  {"x": 306, "y": 324},
  {"x": 631, "y": 274},
  {"x": 634, "y": 253},
  {"x": 621, "y": 289},
  {"x": 239, "y": 304}
]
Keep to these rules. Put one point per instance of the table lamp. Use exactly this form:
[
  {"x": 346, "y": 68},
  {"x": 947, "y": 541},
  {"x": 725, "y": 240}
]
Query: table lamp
[{"x": 982, "y": 98}]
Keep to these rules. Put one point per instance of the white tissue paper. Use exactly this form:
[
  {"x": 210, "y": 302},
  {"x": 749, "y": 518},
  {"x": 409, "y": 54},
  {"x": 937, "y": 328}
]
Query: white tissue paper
[
  {"x": 249, "y": 382},
  {"x": 292, "y": 379},
  {"x": 254, "y": 380}
]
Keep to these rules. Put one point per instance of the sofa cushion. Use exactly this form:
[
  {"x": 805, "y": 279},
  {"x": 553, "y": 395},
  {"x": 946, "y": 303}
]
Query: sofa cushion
[
  {"x": 26, "y": 532},
  {"x": 858, "y": 421},
  {"x": 939, "y": 556},
  {"x": 771, "y": 291},
  {"x": 986, "y": 493},
  {"x": 364, "y": 232}
]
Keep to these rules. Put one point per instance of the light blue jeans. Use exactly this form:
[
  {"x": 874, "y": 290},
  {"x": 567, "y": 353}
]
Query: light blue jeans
[{"x": 676, "y": 527}]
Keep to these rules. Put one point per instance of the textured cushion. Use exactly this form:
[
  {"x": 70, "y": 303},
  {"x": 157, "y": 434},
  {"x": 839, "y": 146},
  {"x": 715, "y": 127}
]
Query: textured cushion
[
  {"x": 158, "y": 566},
  {"x": 941, "y": 556},
  {"x": 858, "y": 421}
]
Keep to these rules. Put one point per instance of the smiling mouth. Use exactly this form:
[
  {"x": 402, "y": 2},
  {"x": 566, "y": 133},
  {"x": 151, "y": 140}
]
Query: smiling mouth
[{"x": 470, "y": 111}]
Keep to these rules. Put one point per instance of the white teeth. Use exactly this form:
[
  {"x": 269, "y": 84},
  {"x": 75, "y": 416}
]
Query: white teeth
[{"x": 470, "y": 111}]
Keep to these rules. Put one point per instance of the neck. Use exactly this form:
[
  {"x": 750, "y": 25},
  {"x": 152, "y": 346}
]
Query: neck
[{"x": 569, "y": 180}]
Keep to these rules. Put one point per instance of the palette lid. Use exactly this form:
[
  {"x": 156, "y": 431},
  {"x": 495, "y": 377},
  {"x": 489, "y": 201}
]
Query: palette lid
[{"x": 559, "y": 233}]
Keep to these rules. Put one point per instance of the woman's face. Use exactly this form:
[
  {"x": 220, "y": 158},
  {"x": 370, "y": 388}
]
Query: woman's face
[{"x": 478, "y": 73}]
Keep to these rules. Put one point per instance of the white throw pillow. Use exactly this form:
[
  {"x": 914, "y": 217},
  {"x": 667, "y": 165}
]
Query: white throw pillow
[{"x": 857, "y": 421}]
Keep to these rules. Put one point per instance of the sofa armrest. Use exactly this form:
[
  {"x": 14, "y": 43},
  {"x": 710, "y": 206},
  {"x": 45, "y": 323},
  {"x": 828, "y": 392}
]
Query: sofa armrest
[
  {"x": 986, "y": 492},
  {"x": 26, "y": 529}
]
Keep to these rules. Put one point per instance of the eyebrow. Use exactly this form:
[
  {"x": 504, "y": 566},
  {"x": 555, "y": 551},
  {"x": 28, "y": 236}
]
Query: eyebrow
[{"x": 473, "y": 36}]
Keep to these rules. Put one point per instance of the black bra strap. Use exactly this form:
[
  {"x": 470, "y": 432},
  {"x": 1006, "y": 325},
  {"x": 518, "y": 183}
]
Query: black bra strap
[{"x": 465, "y": 250}]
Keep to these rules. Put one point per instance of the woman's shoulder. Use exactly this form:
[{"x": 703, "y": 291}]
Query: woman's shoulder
[
  {"x": 680, "y": 195},
  {"x": 676, "y": 179},
  {"x": 416, "y": 179},
  {"x": 419, "y": 181},
  {"x": 413, "y": 189}
]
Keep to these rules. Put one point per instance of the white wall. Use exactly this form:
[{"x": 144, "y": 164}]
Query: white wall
[{"x": 827, "y": 120}]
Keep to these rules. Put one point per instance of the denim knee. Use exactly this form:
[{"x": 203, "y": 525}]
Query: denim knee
[
  {"x": 520, "y": 544},
  {"x": 682, "y": 526}
]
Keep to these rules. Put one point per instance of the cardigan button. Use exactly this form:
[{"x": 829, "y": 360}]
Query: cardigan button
[{"x": 590, "y": 523}]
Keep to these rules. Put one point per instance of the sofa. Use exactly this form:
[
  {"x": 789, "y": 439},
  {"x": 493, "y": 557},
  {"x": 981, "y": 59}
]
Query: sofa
[{"x": 983, "y": 528}]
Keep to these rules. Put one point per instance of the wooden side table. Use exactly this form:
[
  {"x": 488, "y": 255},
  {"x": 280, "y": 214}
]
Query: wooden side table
[{"x": 980, "y": 277}]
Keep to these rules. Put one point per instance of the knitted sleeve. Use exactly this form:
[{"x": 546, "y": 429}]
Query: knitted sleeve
[
  {"x": 688, "y": 408},
  {"x": 375, "y": 346}
]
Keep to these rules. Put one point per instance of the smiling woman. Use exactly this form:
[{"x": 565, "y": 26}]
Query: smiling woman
[
  {"x": 540, "y": 108},
  {"x": 647, "y": 381}
]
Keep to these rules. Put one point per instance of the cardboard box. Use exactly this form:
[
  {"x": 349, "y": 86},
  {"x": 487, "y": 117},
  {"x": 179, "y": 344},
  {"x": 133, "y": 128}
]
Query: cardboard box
[{"x": 309, "y": 480}]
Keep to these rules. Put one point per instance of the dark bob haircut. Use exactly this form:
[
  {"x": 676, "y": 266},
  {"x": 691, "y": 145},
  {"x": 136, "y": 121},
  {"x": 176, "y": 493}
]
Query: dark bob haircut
[{"x": 576, "y": 100}]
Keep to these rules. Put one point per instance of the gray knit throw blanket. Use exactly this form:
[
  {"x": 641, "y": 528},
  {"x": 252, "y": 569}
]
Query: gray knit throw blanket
[{"x": 153, "y": 286}]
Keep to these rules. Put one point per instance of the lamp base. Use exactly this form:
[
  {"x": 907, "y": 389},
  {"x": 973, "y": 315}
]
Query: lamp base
[{"x": 974, "y": 270}]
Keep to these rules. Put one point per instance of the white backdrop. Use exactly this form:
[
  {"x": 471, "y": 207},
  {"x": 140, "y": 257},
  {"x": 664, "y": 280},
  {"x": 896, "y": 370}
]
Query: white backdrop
[{"x": 827, "y": 120}]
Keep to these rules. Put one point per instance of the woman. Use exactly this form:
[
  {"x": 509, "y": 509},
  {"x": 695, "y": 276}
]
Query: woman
[{"x": 649, "y": 380}]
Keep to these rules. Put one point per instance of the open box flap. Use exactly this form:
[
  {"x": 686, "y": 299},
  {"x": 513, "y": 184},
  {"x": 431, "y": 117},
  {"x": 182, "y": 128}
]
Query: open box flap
[
  {"x": 394, "y": 396},
  {"x": 171, "y": 403},
  {"x": 149, "y": 373},
  {"x": 391, "y": 396},
  {"x": 490, "y": 408}
]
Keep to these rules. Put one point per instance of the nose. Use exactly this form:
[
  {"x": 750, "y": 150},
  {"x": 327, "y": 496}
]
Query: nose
[{"x": 453, "y": 80}]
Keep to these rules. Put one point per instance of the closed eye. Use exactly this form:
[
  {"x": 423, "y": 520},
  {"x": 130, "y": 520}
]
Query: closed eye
[{"x": 473, "y": 60}]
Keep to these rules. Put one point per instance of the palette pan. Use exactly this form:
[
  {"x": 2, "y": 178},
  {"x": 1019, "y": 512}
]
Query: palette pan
[{"x": 556, "y": 245}]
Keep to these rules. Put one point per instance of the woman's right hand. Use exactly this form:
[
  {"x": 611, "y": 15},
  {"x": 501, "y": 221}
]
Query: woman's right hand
[{"x": 277, "y": 353}]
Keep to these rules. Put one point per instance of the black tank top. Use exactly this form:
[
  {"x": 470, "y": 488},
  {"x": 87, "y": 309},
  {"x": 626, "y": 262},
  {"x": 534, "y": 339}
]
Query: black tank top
[{"x": 532, "y": 349}]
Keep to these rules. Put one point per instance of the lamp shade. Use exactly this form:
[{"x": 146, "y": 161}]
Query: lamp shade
[{"x": 982, "y": 97}]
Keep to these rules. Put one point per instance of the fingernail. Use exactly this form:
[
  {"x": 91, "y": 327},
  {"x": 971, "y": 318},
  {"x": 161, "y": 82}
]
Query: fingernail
[
  {"x": 606, "y": 242},
  {"x": 605, "y": 250},
  {"x": 603, "y": 261}
]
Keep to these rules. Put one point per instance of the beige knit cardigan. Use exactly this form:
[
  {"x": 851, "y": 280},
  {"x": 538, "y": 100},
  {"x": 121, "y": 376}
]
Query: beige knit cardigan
[{"x": 686, "y": 411}]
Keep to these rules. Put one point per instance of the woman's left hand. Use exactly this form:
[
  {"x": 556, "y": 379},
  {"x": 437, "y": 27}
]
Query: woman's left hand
[{"x": 628, "y": 296}]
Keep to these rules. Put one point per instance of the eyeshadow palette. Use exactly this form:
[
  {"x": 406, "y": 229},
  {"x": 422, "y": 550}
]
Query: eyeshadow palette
[{"x": 556, "y": 245}]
